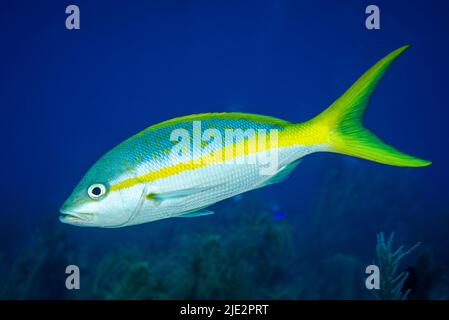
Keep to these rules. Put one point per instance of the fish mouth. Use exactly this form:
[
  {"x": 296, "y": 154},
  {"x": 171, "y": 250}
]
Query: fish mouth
[{"x": 75, "y": 217}]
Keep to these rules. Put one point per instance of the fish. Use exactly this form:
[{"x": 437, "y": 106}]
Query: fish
[
  {"x": 180, "y": 167},
  {"x": 277, "y": 212},
  {"x": 279, "y": 215}
]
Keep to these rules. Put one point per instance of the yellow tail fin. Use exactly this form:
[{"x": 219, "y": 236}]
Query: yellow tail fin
[{"x": 342, "y": 122}]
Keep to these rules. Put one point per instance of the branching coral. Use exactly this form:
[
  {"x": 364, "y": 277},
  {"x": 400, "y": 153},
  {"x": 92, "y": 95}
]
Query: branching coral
[{"x": 388, "y": 260}]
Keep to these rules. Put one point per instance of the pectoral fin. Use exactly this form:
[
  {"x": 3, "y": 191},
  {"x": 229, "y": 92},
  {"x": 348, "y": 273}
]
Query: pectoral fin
[{"x": 176, "y": 194}]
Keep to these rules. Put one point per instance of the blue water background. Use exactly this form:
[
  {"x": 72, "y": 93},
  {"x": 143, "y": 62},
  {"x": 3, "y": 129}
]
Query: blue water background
[{"x": 67, "y": 97}]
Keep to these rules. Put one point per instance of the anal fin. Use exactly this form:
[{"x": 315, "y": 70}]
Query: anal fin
[
  {"x": 198, "y": 213},
  {"x": 282, "y": 174}
]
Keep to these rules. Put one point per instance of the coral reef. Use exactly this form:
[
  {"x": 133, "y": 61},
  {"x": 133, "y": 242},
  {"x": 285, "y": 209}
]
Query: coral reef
[
  {"x": 206, "y": 265},
  {"x": 32, "y": 275},
  {"x": 391, "y": 281}
]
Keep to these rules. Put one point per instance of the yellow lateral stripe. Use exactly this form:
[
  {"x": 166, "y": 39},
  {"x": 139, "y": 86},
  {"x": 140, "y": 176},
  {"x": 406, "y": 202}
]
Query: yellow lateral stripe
[{"x": 301, "y": 134}]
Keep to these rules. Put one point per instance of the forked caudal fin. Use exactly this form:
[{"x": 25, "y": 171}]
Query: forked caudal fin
[{"x": 341, "y": 126}]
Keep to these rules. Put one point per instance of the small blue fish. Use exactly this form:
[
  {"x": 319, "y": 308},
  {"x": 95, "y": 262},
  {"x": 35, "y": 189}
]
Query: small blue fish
[{"x": 279, "y": 215}]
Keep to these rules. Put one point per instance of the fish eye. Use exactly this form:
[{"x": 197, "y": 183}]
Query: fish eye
[{"x": 96, "y": 190}]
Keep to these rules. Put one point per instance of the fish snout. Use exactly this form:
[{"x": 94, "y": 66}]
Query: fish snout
[{"x": 68, "y": 216}]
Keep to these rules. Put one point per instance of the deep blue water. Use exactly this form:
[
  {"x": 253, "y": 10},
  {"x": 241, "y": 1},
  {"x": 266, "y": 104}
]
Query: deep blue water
[{"x": 67, "y": 97}]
